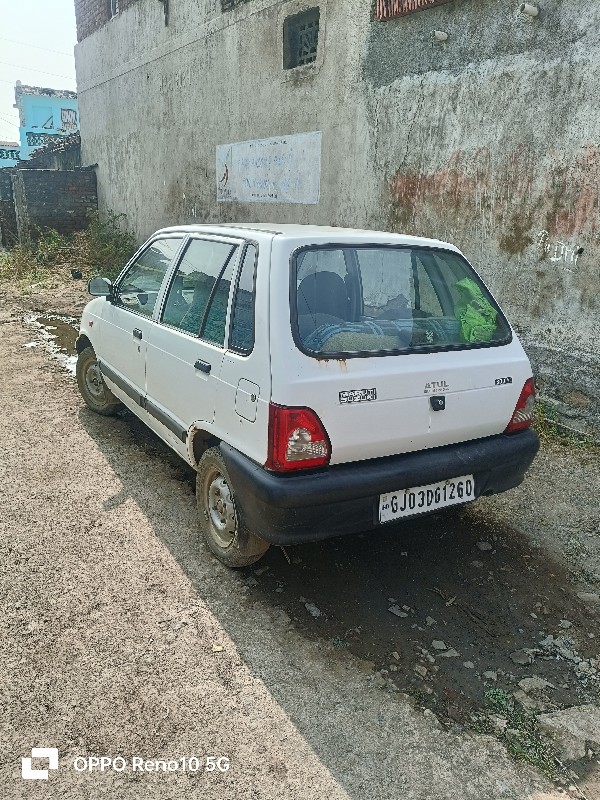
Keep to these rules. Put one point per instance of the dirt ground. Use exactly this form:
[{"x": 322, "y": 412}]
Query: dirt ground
[{"x": 360, "y": 668}]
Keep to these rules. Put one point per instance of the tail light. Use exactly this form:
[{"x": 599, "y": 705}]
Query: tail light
[
  {"x": 297, "y": 439},
  {"x": 523, "y": 414}
]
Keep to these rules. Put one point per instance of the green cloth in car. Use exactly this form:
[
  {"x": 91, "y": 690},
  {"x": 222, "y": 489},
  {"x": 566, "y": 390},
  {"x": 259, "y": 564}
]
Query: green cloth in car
[{"x": 476, "y": 315}]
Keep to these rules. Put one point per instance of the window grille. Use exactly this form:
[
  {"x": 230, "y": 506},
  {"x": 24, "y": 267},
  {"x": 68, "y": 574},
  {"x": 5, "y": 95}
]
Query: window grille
[
  {"x": 14, "y": 155},
  {"x": 40, "y": 139},
  {"x": 68, "y": 118},
  {"x": 300, "y": 38},
  {"x": 386, "y": 9},
  {"x": 113, "y": 8}
]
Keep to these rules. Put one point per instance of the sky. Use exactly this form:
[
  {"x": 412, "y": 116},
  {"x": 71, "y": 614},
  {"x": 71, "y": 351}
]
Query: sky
[{"x": 36, "y": 47}]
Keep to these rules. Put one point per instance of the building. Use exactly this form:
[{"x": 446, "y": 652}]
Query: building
[
  {"x": 45, "y": 115},
  {"x": 9, "y": 154},
  {"x": 63, "y": 153},
  {"x": 469, "y": 120},
  {"x": 45, "y": 185}
]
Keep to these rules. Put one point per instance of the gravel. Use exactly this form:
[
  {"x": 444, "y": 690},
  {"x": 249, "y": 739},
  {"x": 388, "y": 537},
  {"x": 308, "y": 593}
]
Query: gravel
[{"x": 120, "y": 635}]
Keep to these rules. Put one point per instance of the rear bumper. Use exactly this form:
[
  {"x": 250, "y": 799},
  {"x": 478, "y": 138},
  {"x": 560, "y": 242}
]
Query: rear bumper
[{"x": 289, "y": 509}]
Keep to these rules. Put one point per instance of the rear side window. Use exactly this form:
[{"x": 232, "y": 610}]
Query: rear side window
[
  {"x": 197, "y": 298},
  {"x": 213, "y": 327},
  {"x": 242, "y": 314},
  {"x": 366, "y": 300}
]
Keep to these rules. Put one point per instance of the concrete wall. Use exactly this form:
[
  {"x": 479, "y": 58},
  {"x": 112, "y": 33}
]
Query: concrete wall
[
  {"x": 157, "y": 99},
  {"x": 491, "y": 140},
  {"x": 52, "y": 199}
]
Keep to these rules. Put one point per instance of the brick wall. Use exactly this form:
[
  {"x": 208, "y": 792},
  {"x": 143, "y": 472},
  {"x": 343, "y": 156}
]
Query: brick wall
[
  {"x": 53, "y": 199},
  {"x": 93, "y": 14},
  {"x": 8, "y": 220},
  {"x": 5, "y": 184}
]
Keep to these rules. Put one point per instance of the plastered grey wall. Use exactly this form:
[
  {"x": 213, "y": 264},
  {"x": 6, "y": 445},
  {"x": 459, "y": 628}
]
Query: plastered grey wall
[
  {"x": 490, "y": 139},
  {"x": 158, "y": 99}
]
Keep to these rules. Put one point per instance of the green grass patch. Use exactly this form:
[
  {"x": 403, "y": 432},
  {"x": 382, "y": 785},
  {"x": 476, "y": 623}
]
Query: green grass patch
[
  {"x": 521, "y": 736},
  {"x": 551, "y": 431}
]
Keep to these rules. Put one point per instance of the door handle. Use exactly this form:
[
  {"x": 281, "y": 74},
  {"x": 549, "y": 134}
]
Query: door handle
[
  {"x": 137, "y": 333},
  {"x": 203, "y": 366}
]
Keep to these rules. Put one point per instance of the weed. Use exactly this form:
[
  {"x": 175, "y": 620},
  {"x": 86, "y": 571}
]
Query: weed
[
  {"x": 420, "y": 697},
  {"x": 552, "y": 431},
  {"x": 103, "y": 248},
  {"x": 522, "y": 736},
  {"x": 339, "y": 642},
  {"x": 111, "y": 243}
]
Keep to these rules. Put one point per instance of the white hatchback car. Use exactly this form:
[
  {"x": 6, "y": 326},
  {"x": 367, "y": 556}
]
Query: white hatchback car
[{"x": 320, "y": 381}]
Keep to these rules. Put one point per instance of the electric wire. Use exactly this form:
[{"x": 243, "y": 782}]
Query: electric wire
[
  {"x": 33, "y": 69},
  {"x": 37, "y": 47}
]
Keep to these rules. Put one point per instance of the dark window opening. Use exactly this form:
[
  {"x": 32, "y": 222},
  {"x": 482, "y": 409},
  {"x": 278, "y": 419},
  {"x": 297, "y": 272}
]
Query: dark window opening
[{"x": 300, "y": 38}]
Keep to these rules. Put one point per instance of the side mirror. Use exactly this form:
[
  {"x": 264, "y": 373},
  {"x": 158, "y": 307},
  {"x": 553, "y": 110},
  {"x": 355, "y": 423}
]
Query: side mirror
[{"x": 100, "y": 287}]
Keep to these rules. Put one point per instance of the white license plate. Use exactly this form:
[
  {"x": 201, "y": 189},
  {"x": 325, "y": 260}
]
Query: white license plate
[{"x": 407, "y": 502}]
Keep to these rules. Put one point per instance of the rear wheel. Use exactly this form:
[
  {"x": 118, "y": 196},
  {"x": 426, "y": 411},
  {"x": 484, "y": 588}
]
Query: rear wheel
[
  {"x": 91, "y": 385},
  {"x": 226, "y": 535}
]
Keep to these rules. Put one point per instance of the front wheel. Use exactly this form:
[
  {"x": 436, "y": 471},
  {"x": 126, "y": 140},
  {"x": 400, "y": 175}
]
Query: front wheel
[
  {"x": 226, "y": 535},
  {"x": 91, "y": 384}
]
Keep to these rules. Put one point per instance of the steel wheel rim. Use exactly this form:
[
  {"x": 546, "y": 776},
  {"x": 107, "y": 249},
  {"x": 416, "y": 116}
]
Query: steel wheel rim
[
  {"x": 94, "y": 382},
  {"x": 218, "y": 501}
]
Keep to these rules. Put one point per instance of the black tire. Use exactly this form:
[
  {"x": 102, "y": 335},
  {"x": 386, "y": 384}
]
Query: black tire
[
  {"x": 94, "y": 391},
  {"x": 225, "y": 533}
]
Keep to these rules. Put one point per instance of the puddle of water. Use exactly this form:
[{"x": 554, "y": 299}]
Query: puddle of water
[{"x": 57, "y": 334}]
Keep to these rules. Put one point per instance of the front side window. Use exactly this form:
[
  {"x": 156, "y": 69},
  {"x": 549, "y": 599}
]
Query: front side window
[
  {"x": 139, "y": 287},
  {"x": 379, "y": 300},
  {"x": 197, "y": 298}
]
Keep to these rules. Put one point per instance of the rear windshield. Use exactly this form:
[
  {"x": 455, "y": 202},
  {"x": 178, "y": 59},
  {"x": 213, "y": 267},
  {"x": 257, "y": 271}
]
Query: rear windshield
[{"x": 376, "y": 299}]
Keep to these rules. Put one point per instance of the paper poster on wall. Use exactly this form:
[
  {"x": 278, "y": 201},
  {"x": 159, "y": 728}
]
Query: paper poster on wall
[{"x": 283, "y": 169}]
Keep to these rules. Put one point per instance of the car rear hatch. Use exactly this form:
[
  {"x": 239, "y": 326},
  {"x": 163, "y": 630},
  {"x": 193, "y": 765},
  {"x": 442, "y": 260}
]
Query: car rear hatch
[{"x": 397, "y": 349}]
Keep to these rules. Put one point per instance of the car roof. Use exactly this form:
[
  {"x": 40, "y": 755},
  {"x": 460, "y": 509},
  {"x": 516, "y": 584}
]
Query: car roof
[{"x": 310, "y": 233}]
